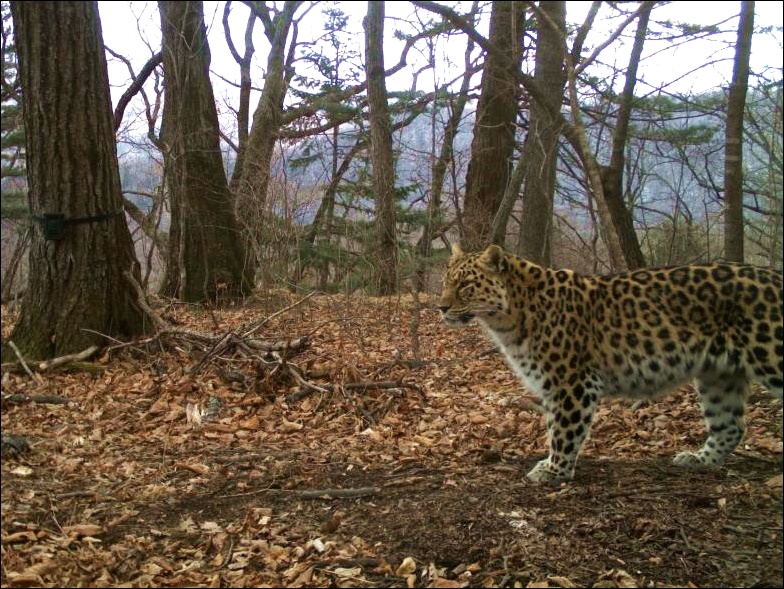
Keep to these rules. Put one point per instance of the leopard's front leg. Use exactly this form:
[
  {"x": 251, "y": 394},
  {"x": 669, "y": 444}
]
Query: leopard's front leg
[{"x": 569, "y": 416}]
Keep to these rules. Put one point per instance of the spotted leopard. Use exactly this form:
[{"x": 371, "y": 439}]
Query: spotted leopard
[{"x": 574, "y": 338}]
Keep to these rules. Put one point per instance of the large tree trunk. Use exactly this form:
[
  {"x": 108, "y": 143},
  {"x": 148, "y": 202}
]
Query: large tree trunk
[
  {"x": 77, "y": 288},
  {"x": 733, "y": 149},
  {"x": 206, "y": 256},
  {"x": 381, "y": 151},
  {"x": 541, "y": 150},
  {"x": 494, "y": 131}
]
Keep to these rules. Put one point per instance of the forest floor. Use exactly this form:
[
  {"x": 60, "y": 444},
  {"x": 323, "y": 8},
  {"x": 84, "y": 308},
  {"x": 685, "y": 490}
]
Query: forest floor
[{"x": 171, "y": 467}]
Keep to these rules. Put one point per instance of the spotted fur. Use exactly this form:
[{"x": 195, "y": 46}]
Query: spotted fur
[{"x": 574, "y": 338}]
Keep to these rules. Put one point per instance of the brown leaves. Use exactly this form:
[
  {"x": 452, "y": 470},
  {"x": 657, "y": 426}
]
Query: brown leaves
[{"x": 151, "y": 476}]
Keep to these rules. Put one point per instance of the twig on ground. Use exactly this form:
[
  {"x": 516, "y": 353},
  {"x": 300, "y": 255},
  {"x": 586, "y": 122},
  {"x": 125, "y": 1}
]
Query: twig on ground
[
  {"x": 316, "y": 493},
  {"x": 336, "y": 493},
  {"x": 59, "y": 361},
  {"x": 18, "y": 398},
  {"x": 47, "y": 364},
  {"x": 22, "y": 361},
  {"x": 349, "y": 386},
  {"x": 266, "y": 320}
]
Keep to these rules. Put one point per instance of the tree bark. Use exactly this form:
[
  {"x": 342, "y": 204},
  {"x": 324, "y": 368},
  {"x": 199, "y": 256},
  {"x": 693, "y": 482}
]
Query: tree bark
[
  {"x": 733, "y": 150},
  {"x": 76, "y": 285},
  {"x": 251, "y": 178},
  {"x": 381, "y": 152},
  {"x": 243, "y": 111},
  {"x": 612, "y": 175},
  {"x": 494, "y": 132},
  {"x": 206, "y": 256},
  {"x": 17, "y": 255},
  {"x": 541, "y": 151}
]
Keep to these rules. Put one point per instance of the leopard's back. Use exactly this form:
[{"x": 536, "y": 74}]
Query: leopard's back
[{"x": 654, "y": 328}]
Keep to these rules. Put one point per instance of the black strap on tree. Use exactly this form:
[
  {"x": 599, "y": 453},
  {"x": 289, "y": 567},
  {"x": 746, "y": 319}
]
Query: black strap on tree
[{"x": 53, "y": 224}]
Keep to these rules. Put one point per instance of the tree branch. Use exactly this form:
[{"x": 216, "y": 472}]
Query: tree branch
[{"x": 136, "y": 85}]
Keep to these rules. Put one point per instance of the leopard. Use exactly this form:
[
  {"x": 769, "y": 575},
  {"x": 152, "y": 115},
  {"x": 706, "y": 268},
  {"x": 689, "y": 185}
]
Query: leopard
[{"x": 573, "y": 338}]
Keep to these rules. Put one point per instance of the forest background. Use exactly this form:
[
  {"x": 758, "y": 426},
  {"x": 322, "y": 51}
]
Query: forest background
[
  {"x": 200, "y": 206},
  {"x": 642, "y": 94}
]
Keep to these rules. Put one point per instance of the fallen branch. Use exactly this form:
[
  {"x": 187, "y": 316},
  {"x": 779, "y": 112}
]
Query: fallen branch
[
  {"x": 216, "y": 345},
  {"x": 141, "y": 298},
  {"x": 266, "y": 320},
  {"x": 310, "y": 388},
  {"x": 317, "y": 493},
  {"x": 79, "y": 356},
  {"x": 19, "y": 398},
  {"x": 231, "y": 341},
  {"x": 364, "y": 562},
  {"x": 295, "y": 345},
  {"x": 337, "y": 493},
  {"x": 46, "y": 364},
  {"x": 22, "y": 360}
]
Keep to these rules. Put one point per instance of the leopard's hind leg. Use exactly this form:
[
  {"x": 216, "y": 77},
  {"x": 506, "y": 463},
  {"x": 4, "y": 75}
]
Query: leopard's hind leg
[{"x": 723, "y": 399}]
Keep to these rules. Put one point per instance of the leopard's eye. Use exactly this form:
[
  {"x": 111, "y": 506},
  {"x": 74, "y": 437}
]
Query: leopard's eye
[{"x": 465, "y": 290}]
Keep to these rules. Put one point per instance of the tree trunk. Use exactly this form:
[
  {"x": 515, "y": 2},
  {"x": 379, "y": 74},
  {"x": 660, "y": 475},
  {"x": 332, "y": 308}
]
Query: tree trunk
[
  {"x": 21, "y": 248},
  {"x": 243, "y": 111},
  {"x": 541, "y": 151},
  {"x": 775, "y": 185},
  {"x": 494, "y": 131},
  {"x": 206, "y": 256},
  {"x": 612, "y": 175},
  {"x": 577, "y": 136},
  {"x": 77, "y": 285},
  {"x": 733, "y": 154},
  {"x": 251, "y": 179},
  {"x": 381, "y": 152}
]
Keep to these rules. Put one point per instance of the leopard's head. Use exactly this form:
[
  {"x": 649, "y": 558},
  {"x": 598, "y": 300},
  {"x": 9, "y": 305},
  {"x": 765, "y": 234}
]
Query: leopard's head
[{"x": 474, "y": 286}]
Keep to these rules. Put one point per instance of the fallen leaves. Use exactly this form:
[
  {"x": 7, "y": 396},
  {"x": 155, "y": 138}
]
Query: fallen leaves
[
  {"x": 151, "y": 476},
  {"x": 83, "y": 530}
]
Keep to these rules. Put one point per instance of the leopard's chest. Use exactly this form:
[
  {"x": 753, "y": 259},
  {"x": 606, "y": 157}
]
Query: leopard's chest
[{"x": 523, "y": 362}]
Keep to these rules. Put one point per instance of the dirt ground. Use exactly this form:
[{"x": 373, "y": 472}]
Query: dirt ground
[{"x": 164, "y": 465}]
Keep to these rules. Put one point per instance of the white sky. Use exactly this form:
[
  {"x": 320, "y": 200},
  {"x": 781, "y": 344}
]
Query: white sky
[{"x": 663, "y": 61}]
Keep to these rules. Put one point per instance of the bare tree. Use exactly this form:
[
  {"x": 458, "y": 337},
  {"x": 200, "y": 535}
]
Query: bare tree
[
  {"x": 541, "y": 149},
  {"x": 574, "y": 132},
  {"x": 612, "y": 174},
  {"x": 381, "y": 151},
  {"x": 494, "y": 133},
  {"x": 243, "y": 110},
  {"x": 81, "y": 252},
  {"x": 733, "y": 156},
  {"x": 434, "y": 223},
  {"x": 252, "y": 178}
]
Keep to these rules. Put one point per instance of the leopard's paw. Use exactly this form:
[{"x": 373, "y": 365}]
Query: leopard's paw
[
  {"x": 544, "y": 472},
  {"x": 695, "y": 461}
]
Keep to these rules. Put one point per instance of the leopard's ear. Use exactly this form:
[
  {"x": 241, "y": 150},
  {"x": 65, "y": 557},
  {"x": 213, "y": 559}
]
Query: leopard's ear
[
  {"x": 457, "y": 251},
  {"x": 493, "y": 258}
]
